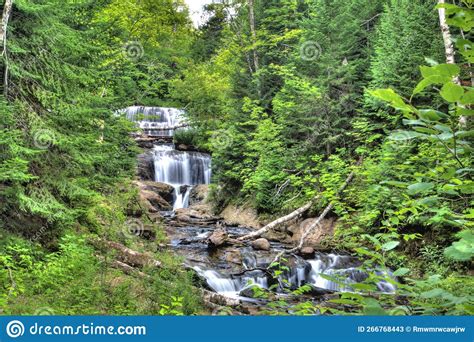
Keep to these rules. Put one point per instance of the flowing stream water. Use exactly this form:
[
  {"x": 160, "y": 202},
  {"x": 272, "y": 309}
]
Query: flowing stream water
[{"x": 227, "y": 275}]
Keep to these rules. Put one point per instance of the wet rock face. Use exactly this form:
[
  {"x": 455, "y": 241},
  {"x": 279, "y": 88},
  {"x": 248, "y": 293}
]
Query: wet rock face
[
  {"x": 154, "y": 200},
  {"x": 307, "y": 252},
  {"x": 242, "y": 217},
  {"x": 325, "y": 230},
  {"x": 234, "y": 256},
  {"x": 199, "y": 195},
  {"x": 199, "y": 215},
  {"x": 187, "y": 148},
  {"x": 146, "y": 168},
  {"x": 166, "y": 191}
]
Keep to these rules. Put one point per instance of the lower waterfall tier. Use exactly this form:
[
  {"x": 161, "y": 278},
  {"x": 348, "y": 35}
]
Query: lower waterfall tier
[{"x": 182, "y": 170}]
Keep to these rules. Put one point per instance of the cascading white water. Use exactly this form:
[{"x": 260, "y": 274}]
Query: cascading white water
[
  {"x": 336, "y": 266},
  {"x": 155, "y": 121},
  {"x": 182, "y": 170},
  {"x": 230, "y": 287}
]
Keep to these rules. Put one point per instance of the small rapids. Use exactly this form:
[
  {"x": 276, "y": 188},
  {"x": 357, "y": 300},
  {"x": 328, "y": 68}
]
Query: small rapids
[{"x": 305, "y": 272}]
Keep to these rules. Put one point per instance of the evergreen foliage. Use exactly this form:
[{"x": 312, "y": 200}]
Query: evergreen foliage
[{"x": 286, "y": 111}]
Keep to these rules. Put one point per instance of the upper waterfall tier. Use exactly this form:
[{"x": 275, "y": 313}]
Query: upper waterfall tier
[{"x": 156, "y": 121}]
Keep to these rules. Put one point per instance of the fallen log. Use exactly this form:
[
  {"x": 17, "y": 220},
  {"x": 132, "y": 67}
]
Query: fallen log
[
  {"x": 298, "y": 212},
  {"x": 218, "y": 299},
  {"x": 125, "y": 268},
  {"x": 129, "y": 256}
]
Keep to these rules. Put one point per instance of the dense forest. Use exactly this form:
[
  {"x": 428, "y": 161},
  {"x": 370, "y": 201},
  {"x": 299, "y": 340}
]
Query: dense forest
[{"x": 350, "y": 112}]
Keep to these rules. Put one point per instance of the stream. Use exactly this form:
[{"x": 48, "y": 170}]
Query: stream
[{"x": 231, "y": 270}]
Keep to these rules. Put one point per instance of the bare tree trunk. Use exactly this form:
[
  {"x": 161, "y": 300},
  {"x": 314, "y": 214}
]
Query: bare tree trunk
[
  {"x": 254, "y": 34},
  {"x": 448, "y": 41},
  {"x": 449, "y": 47},
  {"x": 471, "y": 74},
  {"x": 7, "y": 9},
  {"x": 280, "y": 221}
]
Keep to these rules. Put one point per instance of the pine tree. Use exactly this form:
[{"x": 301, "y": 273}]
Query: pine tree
[{"x": 408, "y": 34}]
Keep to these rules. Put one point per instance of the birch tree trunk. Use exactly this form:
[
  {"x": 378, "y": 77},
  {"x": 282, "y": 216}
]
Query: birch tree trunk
[
  {"x": 448, "y": 41},
  {"x": 7, "y": 9},
  {"x": 253, "y": 32}
]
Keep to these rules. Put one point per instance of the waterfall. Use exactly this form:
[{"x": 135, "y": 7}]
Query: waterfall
[
  {"x": 182, "y": 170},
  {"x": 155, "y": 121}
]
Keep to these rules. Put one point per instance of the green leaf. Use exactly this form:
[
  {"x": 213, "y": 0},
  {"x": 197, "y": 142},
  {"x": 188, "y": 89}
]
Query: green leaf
[
  {"x": 465, "y": 134},
  {"x": 414, "y": 122},
  {"x": 467, "y": 98},
  {"x": 467, "y": 189},
  {"x": 425, "y": 83},
  {"x": 433, "y": 293},
  {"x": 372, "y": 307},
  {"x": 390, "y": 245},
  {"x": 425, "y": 130},
  {"x": 401, "y": 272},
  {"x": 452, "y": 92},
  {"x": 419, "y": 188},
  {"x": 405, "y": 135},
  {"x": 395, "y": 183},
  {"x": 448, "y": 70},
  {"x": 395, "y": 100},
  {"x": 464, "y": 112},
  {"x": 431, "y": 114},
  {"x": 462, "y": 250},
  {"x": 364, "y": 287}
]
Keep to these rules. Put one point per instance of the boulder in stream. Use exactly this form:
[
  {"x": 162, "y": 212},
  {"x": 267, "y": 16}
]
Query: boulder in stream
[
  {"x": 199, "y": 194},
  {"x": 234, "y": 256},
  {"x": 318, "y": 291},
  {"x": 307, "y": 252},
  {"x": 217, "y": 239},
  {"x": 261, "y": 245}
]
